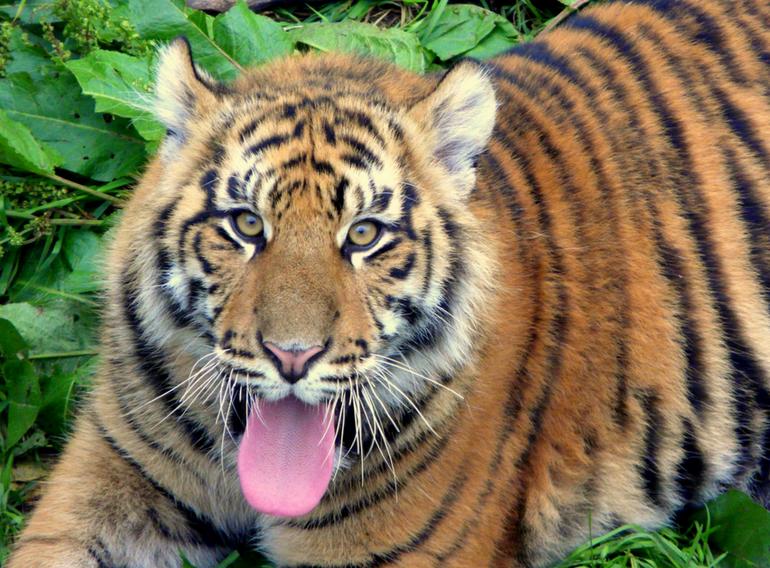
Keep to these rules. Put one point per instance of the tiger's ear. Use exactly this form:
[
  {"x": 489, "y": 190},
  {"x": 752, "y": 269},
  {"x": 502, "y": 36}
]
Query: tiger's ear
[
  {"x": 456, "y": 121},
  {"x": 180, "y": 88}
]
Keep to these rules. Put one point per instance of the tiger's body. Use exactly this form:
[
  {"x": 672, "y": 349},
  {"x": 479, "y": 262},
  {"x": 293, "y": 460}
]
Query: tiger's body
[{"x": 592, "y": 277}]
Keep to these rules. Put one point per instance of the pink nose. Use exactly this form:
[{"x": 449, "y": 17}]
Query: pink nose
[{"x": 294, "y": 362}]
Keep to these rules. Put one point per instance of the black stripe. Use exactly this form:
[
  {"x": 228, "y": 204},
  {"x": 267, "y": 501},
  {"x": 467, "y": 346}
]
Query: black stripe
[
  {"x": 321, "y": 166},
  {"x": 177, "y": 311},
  {"x": 203, "y": 531},
  {"x": 355, "y": 161},
  {"x": 539, "y": 52},
  {"x": 403, "y": 272},
  {"x": 393, "y": 243},
  {"x": 235, "y": 188},
  {"x": 362, "y": 149},
  {"x": 188, "y": 224},
  {"x": 151, "y": 364},
  {"x": 208, "y": 184},
  {"x": 206, "y": 266},
  {"x": 670, "y": 262},
  {"x": 428, "y": 529},
  {"x": 224, "y": 235},
  {"x": 649, "y": 470},
  {"x": 692, "y": 468},
  {"x": 331, "y": 137},
  {"x": 427, "y": 245},
  {"x": 97, "y": 557},
  {"x": 159, "y": 228},
  {"x": 274, "y": 141},
  {"x": 381, "y": 199},
  {"x": 338, "y": 201},
  {"x": 409, "y": 201},
  {"x": 135, "y": 427},
  {"x": 361, "y": 120},
  {"x": 293, "y": 162},
  {"x": 299, "y": 128}
]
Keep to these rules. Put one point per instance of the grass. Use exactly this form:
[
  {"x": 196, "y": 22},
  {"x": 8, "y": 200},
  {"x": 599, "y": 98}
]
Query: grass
[{"x": 58, "y": 200}]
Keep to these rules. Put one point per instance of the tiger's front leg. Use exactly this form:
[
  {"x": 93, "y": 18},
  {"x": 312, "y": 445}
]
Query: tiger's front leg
[{"x": 98, "y": 511}]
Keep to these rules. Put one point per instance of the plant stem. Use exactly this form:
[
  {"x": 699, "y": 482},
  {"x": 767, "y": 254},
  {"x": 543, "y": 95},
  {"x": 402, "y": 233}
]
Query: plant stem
[
  {"x": 18, "y": 214},
  {"x": 63, "y": 354},
  {"x": 84, "y": 189},
  {"x": 77, "y": 222}
]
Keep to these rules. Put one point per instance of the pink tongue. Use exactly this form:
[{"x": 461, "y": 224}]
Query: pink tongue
[{"x": 286, "y": 456}]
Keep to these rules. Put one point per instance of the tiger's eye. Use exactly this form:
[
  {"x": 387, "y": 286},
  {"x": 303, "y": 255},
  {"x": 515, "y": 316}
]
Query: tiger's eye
[
  {"x": 248, "y": 224},
  {"x": 363, "y": 233}
]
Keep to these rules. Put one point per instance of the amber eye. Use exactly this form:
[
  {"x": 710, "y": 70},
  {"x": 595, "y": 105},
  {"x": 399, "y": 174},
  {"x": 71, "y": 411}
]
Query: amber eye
[
  {"x": 247, "y": 224},
  {"x": 363, "y": 234}
]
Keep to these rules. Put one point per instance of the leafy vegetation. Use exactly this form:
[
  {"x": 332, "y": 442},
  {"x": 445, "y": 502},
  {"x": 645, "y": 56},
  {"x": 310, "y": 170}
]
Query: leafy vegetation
[{"x": 75, "y": 130}]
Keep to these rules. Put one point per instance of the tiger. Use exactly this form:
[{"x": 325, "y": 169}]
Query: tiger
[{"x": 358, "y": 316}]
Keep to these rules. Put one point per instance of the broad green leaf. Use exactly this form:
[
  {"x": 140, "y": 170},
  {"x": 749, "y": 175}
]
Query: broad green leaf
[
  {"x": 742, "y": 529},
  {"x": 394, "y": 45},
  {"x": 12, "y": 344},
  {"x": 460, "y": 28},
  {"x": 18, "y": 148},
  {"x": 27, "y": 54},
  {"x": 501, "y": 39},
  {"x": 250, "y": 39},
  {"x": 121, "y": 85},
  {"x": 59, "y": 115},
  {"x": 33, "y": 11},
  {"x": 167, "y": 19},
  {"x": 23, "y": 398},
  {"x": 75, "y": 271},
  {"x": 53, "y": 328}
]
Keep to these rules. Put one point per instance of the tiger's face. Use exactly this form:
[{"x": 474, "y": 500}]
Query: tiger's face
[
  {"x": 313, "y": 234},
  {"x": 317, "y": 234}
]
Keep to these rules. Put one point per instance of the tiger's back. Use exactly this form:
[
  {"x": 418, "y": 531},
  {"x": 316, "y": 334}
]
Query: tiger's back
[
  {"x": 614, "y": 369},
  {"x": 637, "y": 161}
]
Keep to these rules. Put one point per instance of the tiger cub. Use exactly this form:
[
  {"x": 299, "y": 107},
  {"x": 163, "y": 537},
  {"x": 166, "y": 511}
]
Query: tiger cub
[{"x": 359, "y": 317}]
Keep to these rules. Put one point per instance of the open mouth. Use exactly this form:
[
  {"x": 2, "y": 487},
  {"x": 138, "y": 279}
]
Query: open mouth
[{"x": 287, "y": 451}]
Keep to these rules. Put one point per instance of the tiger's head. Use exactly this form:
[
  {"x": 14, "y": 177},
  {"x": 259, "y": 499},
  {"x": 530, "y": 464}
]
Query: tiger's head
[{"x": 315, "y": 226}]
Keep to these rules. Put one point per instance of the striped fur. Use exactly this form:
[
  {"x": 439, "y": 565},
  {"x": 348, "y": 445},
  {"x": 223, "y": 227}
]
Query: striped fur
[{"x": 595, "y": 284}]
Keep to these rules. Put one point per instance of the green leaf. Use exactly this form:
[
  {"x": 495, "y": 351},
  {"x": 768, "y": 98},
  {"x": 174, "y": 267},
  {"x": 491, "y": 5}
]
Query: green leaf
[
  {"x": 55, "y": 407},
  {"x": 56, "y": 327},
  {"x": 33, "y": 12},
  {"x": 74, "y": 270},
  {"x": 121, "y": 85},
  {"x": 18, "y": 148},
  {"x": 167, "y": 19},
  {"x": 460, "y": 28},
  {"x": 394, "y": 45},
  {"x": 59, "y": 115},
  {"x": 27, "y": 54},
  {"x": 741, "y": 528},
  {"x": 502, "y": 38},
  {"x": 250, "y": 39},
  {"x": 12, "y": 344},
  {"x": 23, "y": 399}
]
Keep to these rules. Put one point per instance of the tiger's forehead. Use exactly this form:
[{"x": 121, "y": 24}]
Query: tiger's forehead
[{"x": 309, "y": 153}]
